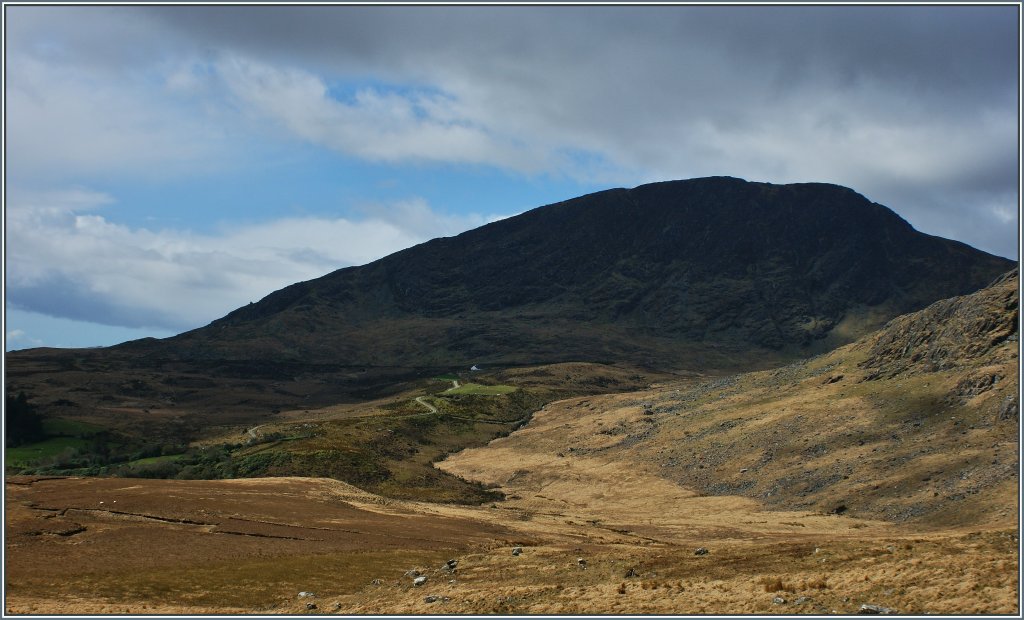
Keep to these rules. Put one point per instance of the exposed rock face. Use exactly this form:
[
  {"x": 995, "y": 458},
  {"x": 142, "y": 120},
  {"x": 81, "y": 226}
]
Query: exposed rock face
[
  {"x": 1009, "y": 410},
  {"x": 715, "y": 271},
  {"x": 949, "y": 333}
]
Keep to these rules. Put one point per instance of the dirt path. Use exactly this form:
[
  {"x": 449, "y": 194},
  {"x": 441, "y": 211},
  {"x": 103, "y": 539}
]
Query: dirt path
[
  {"x": 420, "y": 400},
  {"x": 252, "y": 431}
]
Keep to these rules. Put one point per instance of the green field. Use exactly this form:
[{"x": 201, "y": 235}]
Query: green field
[
  {"x": 152, "y": 460},
  {"x": 26, "y": 455},
  {"x": 485, "y": 390},
  {"x": 69, "y": 428}
]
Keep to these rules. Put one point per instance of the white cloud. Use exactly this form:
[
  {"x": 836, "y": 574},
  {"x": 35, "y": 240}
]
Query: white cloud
[
  {"x": 67, "y": 261},
  {"x": 71, "y": 120},
  {"x": 374, "y": 125},
  {"x": 1005, "y": 214},
  {"x": 18, "y": 339}
]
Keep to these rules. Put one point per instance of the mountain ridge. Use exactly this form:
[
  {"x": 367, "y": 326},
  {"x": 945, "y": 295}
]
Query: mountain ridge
[{"x": 657, "y": 274}]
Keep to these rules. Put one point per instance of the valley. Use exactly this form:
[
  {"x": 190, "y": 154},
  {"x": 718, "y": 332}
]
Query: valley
[
  {"x": 385, "y": 444},
  {"x": 638, "y": 401},
  {"x": 883, "y": 473}
]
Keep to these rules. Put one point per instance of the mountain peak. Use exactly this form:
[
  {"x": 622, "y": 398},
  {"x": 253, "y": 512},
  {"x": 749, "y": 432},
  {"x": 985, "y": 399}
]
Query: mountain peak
[{"x": 712, "y": 271}]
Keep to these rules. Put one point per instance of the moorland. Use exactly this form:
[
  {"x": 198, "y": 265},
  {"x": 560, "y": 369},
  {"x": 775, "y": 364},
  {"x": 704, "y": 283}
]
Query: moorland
[{"x": 705, "y": 396}]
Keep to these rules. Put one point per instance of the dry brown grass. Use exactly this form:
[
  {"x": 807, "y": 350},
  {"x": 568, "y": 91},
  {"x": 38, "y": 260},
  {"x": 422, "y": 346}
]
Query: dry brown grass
[
  {"x": 753, "y": 469},
  {"x": 776, "y": 585},
  {"x": 192, "y": 569}
]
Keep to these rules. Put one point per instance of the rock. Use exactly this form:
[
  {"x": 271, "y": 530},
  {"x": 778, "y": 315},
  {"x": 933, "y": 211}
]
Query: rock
[
  {"x": 337, "y": 606},
  {"x": 419, "y": 581},
  {"x": 451, "y": 564},
  {"x": 376, "y": 582},
  {"x": 701, "y": 551},
  {"x": 517, "y": 551},
  {"x": 306, "y": 595},
  {"x": 430, "y": 599},
  {"x": 412, "y": 573},
  {"x": 310, "y": 605},
  {"x": 632, "y": 573},
  {"x": 581, "y": 563},
  {"x": 802, "y": 600},
  {"x": 1009, "y": 409},
  {"x": 778, "y": 600},
  {"x": 868, "y": 608}
]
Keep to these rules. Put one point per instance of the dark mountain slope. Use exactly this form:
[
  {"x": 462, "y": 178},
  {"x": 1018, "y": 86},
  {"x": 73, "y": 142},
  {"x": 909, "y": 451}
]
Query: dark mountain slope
[{"x": 713, "y": 272}]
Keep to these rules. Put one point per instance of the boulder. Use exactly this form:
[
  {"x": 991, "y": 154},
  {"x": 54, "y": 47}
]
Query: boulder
[
  {"x": 701, "y": 551},
  {"x": 517, "y": 551},
  {"x": 1009, "y": 409},
  {"x": 419, "y": 581},
  {"x": 868, "y": 608}
]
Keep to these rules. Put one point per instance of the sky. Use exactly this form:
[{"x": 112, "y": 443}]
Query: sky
[{"x": 167, "y": 164}]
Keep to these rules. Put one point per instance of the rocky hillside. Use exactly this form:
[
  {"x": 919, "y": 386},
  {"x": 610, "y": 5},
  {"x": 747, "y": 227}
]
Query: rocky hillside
[
  {"x": 713, "y": 272},
  {"x": 949, "y": 334},
  {"x": 918, "y": 421}
]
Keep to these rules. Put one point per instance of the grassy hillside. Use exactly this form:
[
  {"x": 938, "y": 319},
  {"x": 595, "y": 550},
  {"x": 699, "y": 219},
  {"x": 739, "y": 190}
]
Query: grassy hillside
[
  {"x": 915, "y": 422},
  {"x": 386, "y": 445}
]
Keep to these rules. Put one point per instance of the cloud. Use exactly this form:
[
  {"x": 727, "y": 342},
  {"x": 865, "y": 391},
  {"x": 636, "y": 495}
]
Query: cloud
[
  {"x": 18, "y": 339},
  {"x": 66, "y": 261},
  {"x": 69, "y": 120},
  {"x": 373, "y": 124},
  {"x": 913, "y": 106},
  {"x": 636, "y": 92},
  {"x": 905, "y": 104}
]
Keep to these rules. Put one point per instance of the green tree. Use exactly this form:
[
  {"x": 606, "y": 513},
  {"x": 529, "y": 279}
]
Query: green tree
[{"x": 22, "y": 423}]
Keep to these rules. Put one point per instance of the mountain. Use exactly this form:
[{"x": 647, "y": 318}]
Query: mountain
[{"x": 704, "y": 273}]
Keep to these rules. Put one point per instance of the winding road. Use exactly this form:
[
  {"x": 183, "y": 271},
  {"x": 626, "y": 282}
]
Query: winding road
[
  {"x": 252, "y": 431},
  {"x": 420, "y": 400},
  {"x": 433, "y": 409}
]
